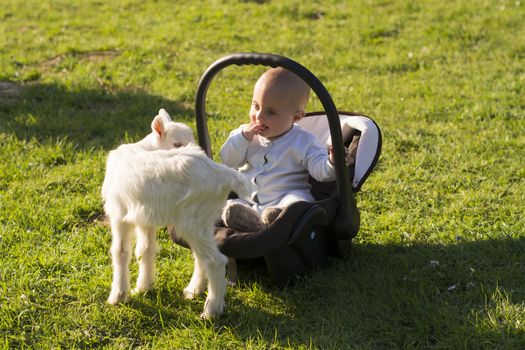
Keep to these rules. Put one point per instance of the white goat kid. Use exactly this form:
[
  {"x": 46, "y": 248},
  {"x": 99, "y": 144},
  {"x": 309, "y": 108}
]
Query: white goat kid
[
  {"x": 182, "y": 187},
  {"x": 166, "y": 134}
]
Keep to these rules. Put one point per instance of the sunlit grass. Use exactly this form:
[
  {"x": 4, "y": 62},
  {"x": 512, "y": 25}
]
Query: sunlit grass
[{"x": 440, "y": 258}]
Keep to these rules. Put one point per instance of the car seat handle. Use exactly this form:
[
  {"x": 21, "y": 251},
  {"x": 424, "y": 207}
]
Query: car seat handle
[{"x": 240, "y": 59}]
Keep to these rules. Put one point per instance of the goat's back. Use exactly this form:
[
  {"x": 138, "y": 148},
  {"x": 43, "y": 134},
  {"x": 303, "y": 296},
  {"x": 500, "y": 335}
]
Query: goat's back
[{"x": 158, "y": 188}]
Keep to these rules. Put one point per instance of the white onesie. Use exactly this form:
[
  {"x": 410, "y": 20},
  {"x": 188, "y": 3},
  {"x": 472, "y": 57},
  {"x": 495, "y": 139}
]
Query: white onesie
[{"x": 278, "y": 168}]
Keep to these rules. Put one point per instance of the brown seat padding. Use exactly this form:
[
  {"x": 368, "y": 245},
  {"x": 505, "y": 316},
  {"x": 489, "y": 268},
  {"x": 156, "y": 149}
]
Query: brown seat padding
[{"x": 246, "y": 245}]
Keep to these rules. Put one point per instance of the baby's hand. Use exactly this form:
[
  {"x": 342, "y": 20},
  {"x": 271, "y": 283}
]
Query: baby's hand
[
  {"x": 331, "y": 155},
  {"x": 250, "y": 130}
]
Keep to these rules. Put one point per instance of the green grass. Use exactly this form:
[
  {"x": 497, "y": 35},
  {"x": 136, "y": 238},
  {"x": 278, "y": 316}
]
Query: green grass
[{"x": 439, "y": 262}]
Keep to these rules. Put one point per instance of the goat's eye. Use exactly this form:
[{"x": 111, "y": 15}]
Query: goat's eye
[{"x": 177, "y": 144}]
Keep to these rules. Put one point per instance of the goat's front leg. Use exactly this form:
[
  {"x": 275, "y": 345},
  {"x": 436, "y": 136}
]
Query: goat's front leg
[
  {"x": 121, "y": 255},
  {"x": 145, "y": 252},
  {"x": 197, "y": 283}
]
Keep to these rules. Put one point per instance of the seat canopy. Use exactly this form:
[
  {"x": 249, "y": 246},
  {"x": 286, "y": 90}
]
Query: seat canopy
[{"x": 369, "y": 146}]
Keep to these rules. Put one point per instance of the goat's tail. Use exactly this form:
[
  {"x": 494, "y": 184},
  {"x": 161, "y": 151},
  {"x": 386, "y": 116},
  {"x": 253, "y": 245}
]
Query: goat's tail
[{"x": 239, "y": 183}]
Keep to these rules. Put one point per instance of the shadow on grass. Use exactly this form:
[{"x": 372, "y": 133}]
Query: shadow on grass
[
  {"x": 88, "y": 118},
  {"x": 387, "y": 296},
  {"x": 465, "y": 295}
]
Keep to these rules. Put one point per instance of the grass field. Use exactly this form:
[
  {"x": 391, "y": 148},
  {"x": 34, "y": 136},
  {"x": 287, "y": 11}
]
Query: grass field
[{"x": 439, "y": 262}]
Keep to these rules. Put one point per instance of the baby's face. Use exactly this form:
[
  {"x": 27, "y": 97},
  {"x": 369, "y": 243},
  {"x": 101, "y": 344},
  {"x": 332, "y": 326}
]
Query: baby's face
[{"x": 273, "y": 110}]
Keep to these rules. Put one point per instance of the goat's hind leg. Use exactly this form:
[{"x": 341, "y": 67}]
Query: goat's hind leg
[
  {"x": 121, "y": 255},
  {"x": 214, "y": 264},
  {"x": 215, "y": 272},
  {"x": 145, "y": 251}
]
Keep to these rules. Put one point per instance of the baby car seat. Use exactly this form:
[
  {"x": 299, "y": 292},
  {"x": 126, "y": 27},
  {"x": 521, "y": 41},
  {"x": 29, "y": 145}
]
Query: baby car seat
[{"x": 304, "y": 234}]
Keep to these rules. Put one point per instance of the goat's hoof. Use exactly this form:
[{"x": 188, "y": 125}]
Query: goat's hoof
[
  {"x": 142, "y": 286},
  {"x": 212, "y": 309},
  {"x": 117, "y": 297},
  {"x": 137, "y": 291},
  {"x": 189, "y": 293},
  {"x": 231, "y": 282},
  {"x": 207, "y": 316}
]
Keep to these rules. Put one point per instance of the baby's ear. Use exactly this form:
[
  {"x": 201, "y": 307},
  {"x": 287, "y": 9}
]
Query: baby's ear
[
  {"x": 157, "y": 126},
  {"x": 298, "y": 116}
]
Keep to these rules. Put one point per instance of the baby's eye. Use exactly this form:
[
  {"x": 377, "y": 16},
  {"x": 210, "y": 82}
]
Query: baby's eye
[
  {"x": 177, "y": 144},
  {"x": 255, "y": 105}
]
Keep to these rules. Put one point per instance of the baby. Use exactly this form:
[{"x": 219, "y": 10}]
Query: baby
[{"x": 276, "y": 154}]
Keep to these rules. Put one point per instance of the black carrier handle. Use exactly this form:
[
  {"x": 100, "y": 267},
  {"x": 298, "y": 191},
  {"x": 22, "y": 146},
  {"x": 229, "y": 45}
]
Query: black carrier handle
[{"x": 344, "y": 189}]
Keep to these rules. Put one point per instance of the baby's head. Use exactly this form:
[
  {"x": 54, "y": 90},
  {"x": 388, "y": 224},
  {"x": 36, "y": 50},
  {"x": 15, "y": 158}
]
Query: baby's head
[{"x": 279, "y": 99}]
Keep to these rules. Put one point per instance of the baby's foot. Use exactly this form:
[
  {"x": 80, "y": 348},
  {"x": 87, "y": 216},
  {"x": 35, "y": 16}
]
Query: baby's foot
[
  {"x": 270, "y": 214},
  {"x": 242, "y": 218}
]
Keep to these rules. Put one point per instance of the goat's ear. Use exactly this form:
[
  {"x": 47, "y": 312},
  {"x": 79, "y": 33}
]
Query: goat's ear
[
  {"x": 157, "y": 126},
  {"x": 164, "y": 115}
]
